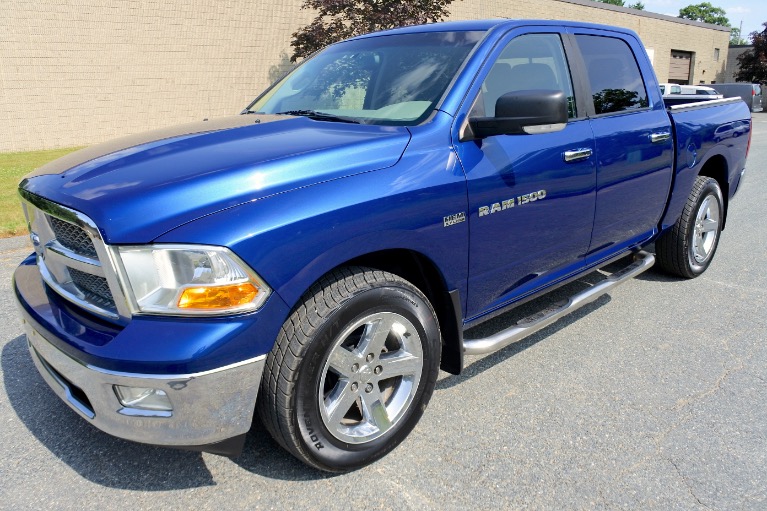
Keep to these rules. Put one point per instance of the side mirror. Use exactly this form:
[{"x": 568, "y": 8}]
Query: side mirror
[{"x": 523, "y": 112}]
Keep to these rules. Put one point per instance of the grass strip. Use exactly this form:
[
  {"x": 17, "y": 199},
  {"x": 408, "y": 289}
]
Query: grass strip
[{"x": 13, "y": 167}]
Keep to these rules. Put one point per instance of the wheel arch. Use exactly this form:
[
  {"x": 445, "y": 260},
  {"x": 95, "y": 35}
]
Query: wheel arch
[
  {"x": 716, "y": 168},
  {"x": 423, "y": 273}
]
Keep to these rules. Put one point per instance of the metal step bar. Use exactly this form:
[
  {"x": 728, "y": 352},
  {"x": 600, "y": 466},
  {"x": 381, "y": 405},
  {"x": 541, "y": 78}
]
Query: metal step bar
[{"x": 531, "y": 324}]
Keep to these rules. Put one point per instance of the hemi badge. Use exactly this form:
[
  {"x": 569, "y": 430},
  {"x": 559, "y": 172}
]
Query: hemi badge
[{"x": 454, "y": 219}]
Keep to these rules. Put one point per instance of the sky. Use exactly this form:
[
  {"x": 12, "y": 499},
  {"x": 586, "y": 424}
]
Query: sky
[{"x": 751, "y": 12}]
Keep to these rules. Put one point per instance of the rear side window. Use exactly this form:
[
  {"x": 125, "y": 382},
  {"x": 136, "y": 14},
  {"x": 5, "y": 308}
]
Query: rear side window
[{"x": 616, "y": 83}]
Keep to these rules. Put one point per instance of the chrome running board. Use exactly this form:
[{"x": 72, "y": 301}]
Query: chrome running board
[{"x": 531, "y": 324}]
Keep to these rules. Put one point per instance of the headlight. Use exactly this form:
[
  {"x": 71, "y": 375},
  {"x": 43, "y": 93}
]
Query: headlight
[{"x": 189, "y": 279}]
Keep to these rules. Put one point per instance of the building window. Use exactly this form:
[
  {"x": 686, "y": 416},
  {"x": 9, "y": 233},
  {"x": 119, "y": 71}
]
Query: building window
[{"x": 716, "y": 54}]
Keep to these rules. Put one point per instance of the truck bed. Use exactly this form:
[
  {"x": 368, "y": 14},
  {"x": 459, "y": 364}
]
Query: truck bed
[{"x": 707, "y": 131}]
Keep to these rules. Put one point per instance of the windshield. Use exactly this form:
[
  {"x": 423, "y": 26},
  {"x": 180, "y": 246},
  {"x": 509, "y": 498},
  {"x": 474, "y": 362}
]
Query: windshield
[{"x": 391, "y": 80}]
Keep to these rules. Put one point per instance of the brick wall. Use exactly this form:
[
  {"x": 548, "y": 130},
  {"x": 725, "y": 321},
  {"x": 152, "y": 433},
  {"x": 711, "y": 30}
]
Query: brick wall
[
  {"x": 83, "y": 71},
  {"x": 78, "y": 72}
]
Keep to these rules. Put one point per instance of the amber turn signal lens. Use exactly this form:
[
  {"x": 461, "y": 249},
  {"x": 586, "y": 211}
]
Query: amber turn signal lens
[{"x": 217, "y": 297}]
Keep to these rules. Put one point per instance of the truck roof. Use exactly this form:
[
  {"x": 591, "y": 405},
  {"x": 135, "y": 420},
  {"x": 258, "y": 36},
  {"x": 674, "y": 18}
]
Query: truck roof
[{"x": 470, "y": 25}]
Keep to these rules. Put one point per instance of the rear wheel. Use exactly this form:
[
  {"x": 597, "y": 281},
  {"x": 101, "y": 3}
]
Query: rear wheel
[
  {"x": 687, "y": 248},
  {"x": 352, "y": 370}
]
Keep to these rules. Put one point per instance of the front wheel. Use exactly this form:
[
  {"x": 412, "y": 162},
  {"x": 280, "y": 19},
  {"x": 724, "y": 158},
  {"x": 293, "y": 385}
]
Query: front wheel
[
  {"x": 687, "y": 248},
  {"x": 352, "y": 369}
]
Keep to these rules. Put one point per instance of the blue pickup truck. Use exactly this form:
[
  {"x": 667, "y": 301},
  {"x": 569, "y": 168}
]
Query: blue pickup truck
[{"x": 318, "y": 258}]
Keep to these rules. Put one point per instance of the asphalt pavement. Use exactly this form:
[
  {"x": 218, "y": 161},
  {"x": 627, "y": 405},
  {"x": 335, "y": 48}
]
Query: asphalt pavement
[{"x": 653, "y": 397}]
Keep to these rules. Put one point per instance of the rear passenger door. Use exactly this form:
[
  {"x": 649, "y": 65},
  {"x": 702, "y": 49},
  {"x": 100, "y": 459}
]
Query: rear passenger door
[{"x": 633, "y": 136}]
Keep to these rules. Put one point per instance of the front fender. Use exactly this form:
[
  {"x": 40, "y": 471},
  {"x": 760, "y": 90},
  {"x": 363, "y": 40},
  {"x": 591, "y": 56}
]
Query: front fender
[{"x": 292, "y": 239}]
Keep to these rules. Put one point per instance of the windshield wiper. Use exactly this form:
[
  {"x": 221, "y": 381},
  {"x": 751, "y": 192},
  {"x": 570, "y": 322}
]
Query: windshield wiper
[{"x": 320, "y": 116}]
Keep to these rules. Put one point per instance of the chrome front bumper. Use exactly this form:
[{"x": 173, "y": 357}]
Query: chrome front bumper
[{"x": 208, "y": 407}]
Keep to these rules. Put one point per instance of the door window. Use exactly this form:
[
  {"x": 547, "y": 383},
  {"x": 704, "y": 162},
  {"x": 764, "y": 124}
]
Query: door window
[
  {"x": 616, "y": 83},
  {"x": 529, "y": 62}
]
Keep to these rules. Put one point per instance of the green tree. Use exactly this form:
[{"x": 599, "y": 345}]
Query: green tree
[
  {"x": 636, "y": 5},
  {"x": 735, "y": 39},
  {"x": 706, "y": 13},
  {"x": 752, "y": 64},
  {"x": 340, "y": 19}
]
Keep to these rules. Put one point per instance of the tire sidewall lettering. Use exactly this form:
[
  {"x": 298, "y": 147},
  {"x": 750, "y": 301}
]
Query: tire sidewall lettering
[{"x": 318, "y": 442}]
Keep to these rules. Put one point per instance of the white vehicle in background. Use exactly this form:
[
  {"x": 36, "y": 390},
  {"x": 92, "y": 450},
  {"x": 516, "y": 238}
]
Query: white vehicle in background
[
  {"x": 700, "y": 90},
  {"x": 668, "y": 89},
  {"x": 673, "y": 89},
  {"x": 675, "y": 94}
]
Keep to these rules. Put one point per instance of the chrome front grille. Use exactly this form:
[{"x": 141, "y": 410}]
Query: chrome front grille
[
  {"x": 93, "y": 285},
  {"x": 72, "y": 237},
  {"x": 73, "y": 259}
]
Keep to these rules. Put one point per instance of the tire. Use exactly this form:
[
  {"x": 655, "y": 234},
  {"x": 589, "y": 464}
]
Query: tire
[
  {"x": 688, "y": 248},
  {"x": 352, "y": 369}
]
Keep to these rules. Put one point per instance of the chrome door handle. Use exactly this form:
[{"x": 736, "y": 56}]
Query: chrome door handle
[
  {"x": 660, "y": 137},
  {"x": 576, "y": 154}
]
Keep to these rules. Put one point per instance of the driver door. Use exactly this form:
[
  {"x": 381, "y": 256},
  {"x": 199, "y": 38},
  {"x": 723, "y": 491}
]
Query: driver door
[{"x": 531, "y": 197}]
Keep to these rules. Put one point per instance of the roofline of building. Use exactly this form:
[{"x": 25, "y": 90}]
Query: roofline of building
[{"x": 637, "y": 12}]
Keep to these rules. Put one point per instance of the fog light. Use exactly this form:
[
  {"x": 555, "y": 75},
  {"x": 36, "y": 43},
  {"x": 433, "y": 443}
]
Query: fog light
[{"x": 143, "y": 398}]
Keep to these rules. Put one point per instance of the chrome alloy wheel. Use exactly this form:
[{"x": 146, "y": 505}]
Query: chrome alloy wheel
[
  {"x": 705, "y": 231},
  {"x": 370, "y": 377}
]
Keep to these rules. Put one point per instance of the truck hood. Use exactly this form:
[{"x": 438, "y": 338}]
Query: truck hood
[{"x": 137, "y": 188}]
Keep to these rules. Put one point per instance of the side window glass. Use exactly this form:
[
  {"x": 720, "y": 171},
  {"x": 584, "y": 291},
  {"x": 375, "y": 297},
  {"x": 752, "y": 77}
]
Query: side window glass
[
  {"x": 529, "y": 62},
  {"x": 616, "y": 83}
]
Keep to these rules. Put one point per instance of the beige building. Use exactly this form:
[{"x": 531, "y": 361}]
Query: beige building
[{"x": 77, "y": 73}]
